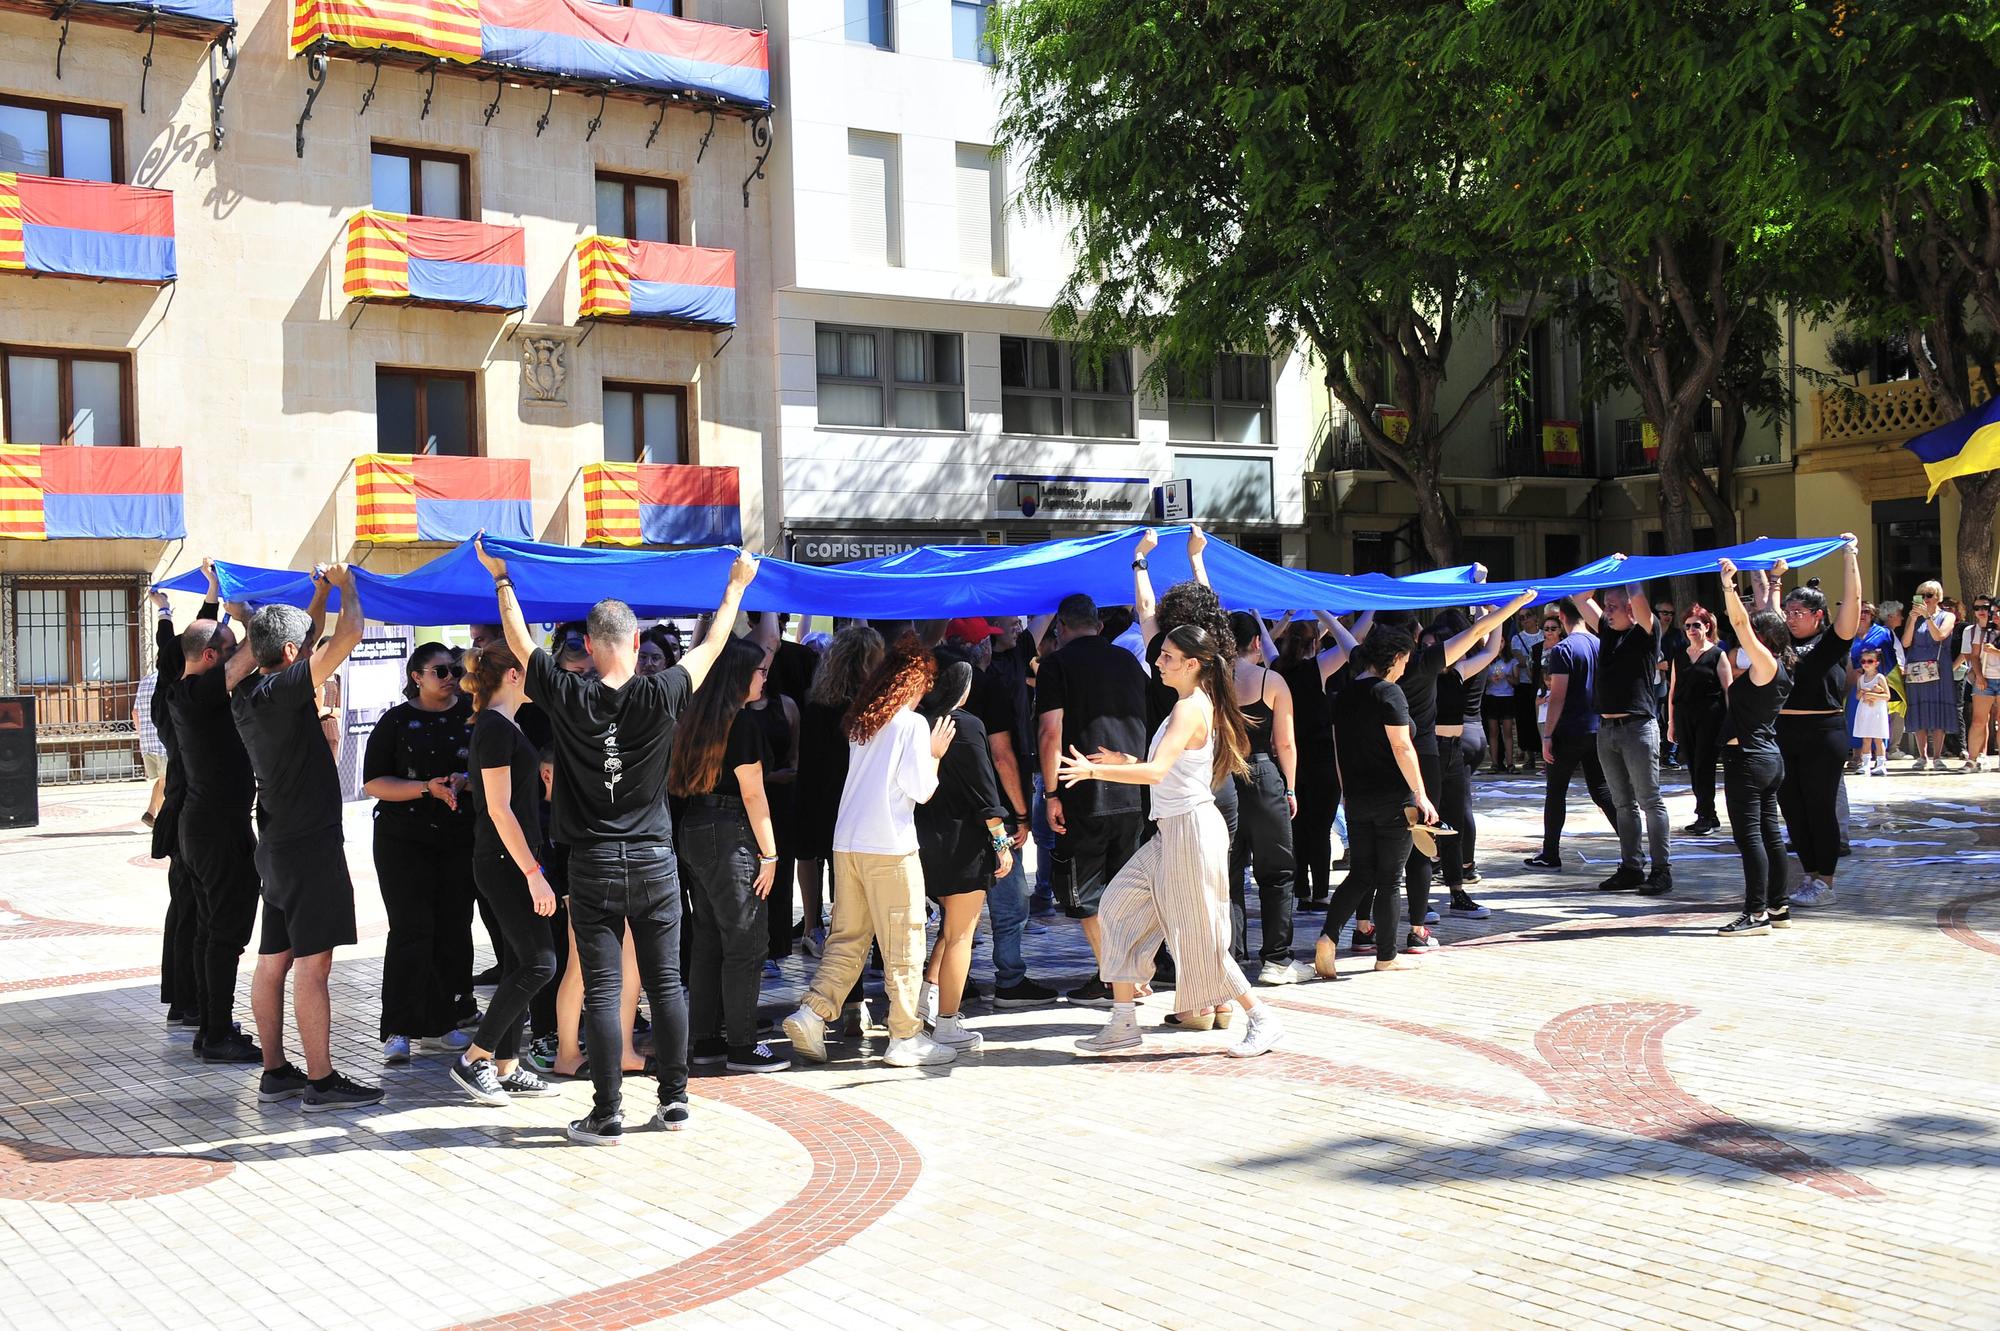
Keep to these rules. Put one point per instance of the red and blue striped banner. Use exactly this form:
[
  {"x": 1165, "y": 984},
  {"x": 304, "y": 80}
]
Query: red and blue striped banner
[
  {"x": 440, "y": 260},
  {"x": 583, "y": 40},
  {"x": 642, "y": 279},
  {"x": 102, "y": 494},
  {"x": 400, "y": 498},
  {"x": 85, "y": 228},
  {"x": 643, "y": 503}
]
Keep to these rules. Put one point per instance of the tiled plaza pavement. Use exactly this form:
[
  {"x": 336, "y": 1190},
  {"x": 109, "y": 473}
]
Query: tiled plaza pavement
[{"x": 1587, "y": 1111}]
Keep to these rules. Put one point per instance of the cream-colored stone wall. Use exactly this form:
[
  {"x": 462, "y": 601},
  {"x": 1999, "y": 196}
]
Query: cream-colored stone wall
[{"x": 258, "y": 367}]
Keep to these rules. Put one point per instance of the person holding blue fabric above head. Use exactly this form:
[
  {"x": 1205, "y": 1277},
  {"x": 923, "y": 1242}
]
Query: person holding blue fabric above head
[
  {"x": 1812, "y": 726},
  {"x": 1628, "y": 734}
]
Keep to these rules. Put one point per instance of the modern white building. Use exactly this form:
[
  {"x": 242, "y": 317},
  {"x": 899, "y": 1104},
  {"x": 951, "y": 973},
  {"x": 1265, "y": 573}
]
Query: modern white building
[{"x": 920, "y": 396}]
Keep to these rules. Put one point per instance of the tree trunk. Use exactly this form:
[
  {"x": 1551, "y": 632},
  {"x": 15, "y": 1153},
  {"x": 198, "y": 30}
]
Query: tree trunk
[
  {"x": 1978, "y": 502},
  {"x": 1435, "y": 518},
  {"x": 1676, "y": 513},
  {"x": 1718, "y": 497}
]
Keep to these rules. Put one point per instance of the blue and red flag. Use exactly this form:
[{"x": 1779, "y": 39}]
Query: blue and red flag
[
  {"x": 399, "y": 498},
  {"x": 85, "y": 228},
  {"x": 642, "y": 279},
  {"x": 104, "y": 494},
  {"x": 438, "y": 260},
  {"x": 643, "y": 503}
]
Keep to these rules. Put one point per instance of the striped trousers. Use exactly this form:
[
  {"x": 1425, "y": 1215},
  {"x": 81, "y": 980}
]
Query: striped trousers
[{"x": 1175, "y": 888}]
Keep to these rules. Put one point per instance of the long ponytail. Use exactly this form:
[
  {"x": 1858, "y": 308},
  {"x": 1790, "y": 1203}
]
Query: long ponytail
[{"x": 1231, "y": 736}]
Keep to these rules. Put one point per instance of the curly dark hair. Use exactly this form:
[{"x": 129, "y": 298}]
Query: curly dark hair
[
  {"x": 1379, "y": 650},
  {"x": 1192, "y": 603},
  {"x": 904, "y": 676}
]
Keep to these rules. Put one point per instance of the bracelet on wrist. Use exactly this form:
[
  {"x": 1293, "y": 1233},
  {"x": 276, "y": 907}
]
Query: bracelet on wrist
[{"x": 766, "y": 859}]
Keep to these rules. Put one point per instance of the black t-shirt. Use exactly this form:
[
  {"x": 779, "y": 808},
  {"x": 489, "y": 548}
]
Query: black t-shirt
[
  {"x": 611, "y": 750},
  {"x": 1819, "y": 678},
  {"x": 792, "y": 668},
  {"x": 1419, "y": 689},
  {"x": 1311, "y": 723},
  {"x": 1010, "y": 669},
  {"x": 993, "y": 703},
  {"x": 298, "y": 787},
  {"x": 952, "y": 841},
  {"x": 1369, "y": 776},
  {"x": 419, "y": 745},
  {"x": 1100, "y": 688},
  {"x": 747, "y": 745},
  {"x": 1627, "y": 661},
  {"x": 499, "y": 742},
  {"x": 213, "y": 761},
  {"x": 1752, "y": 719}
]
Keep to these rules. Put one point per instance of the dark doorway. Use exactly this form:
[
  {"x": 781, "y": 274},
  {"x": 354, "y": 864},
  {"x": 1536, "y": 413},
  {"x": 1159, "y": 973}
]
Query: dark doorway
[
  {"x": 1561, "y": 552},
  {"x": 1909, "y": 547}
]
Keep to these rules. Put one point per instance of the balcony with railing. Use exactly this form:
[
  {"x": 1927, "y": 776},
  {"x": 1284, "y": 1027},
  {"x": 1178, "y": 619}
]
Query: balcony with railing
[
  {"x": 52, "y": 227},
  {"x": 642, "y": 281},
  {"x": 393, "y": 258},
  {"x": 1638, "y": 452},
  {"x": 1558, "y": 449},
  {"x": 1890, "y": 413},
  {"x": 645, "y": 503},
  {"x": 400, "y": 498}
]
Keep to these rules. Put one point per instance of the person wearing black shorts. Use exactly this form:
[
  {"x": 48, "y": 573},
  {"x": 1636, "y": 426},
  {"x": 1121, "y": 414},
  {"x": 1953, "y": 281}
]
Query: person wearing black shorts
[
  {"x": 1090, "y": 694},
  {"x": 308, "y": 897}
]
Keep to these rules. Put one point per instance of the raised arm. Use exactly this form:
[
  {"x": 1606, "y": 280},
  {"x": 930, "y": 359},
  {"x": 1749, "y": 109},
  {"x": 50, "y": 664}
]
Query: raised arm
[
  {"x": 1847, "y": 616},
  {"x": 327, "y": 659},
  {"x": 1265, "y": 643},
  {"x": 1642, "y": 609},
  {"x": 1480, "y": 657},
  {"x": 1591, "y": 611},
  {"x": 705, "y": 652},
  {"x": 1484, "y": 626},
  {"x": 1197, "y": 542},
  {"x": 1334, "y": 657},
  {"x": 1763, "y": 665},
  {"x": 1145, "y": 605},
  {"x": 512, "y": 622}
]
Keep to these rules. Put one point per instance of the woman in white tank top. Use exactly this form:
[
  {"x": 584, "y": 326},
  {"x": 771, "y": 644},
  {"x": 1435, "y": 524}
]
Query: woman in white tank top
[{"x": 1176, "y": 887}]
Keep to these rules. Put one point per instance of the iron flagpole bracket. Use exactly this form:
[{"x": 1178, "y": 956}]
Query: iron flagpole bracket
[
  {"x": 225, "y": 47},
  {"x": 547, "y": 111},
  {"x": 760, "y": 135},
  {"x": 61, "y": 12},
  {"x": 493, "y": 107},
  {"x": 706, "y": 135},
  {"x": 150, "y": 25},
  {"x": 658, "y": 120},
  {"x": 368, "y": 93},
  {"x": 429, "y": 92},
  {"x": 316, "y": 68},
  {"x": 590, "y": 130}
]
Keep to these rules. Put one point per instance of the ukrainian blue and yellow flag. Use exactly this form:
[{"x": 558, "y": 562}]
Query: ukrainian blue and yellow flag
[{"x": 1965, "y": 447}]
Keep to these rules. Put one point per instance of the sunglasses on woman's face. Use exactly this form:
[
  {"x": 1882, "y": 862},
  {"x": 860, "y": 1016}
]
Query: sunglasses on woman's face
[
  {"x": 1552, "y": 628},
  {"x": 1692, "y": 625},
  {"x": 443, "y": 671}
]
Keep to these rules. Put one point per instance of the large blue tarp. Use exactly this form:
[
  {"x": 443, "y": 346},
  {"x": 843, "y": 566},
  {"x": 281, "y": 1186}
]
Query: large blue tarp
[
  {"x": 212, "y": 11},
  {"x": 562, "y": 582}
]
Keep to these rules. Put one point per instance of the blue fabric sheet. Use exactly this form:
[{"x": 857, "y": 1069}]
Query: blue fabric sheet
[{"x": 562, "y": 582}]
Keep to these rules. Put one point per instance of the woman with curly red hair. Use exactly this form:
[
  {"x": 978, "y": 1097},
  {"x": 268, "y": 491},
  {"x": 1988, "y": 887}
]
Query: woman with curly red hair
[{"x": 878, "y": 878}]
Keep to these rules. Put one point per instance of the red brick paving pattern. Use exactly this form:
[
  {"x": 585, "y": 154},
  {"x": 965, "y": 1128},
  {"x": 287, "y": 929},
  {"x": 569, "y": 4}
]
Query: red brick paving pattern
[
  {"x": 1951, "y": 918},
  {"x": 25, "y": 925},
  {"x": 861, "y": 1168},
  {"x": 33, "y": 1172}
]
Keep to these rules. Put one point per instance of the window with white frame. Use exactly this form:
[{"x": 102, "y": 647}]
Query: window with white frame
[
  {"x": 969, "y": 40},
  {"x": 874, "y": 227},
  {"x": 902, "y": 379},
  {"x": 1231, "y": 403},
  {"x": 982, "y": 233},
  {"x": 1050, "y": 388},
  {"x": 872, "y": 23}
]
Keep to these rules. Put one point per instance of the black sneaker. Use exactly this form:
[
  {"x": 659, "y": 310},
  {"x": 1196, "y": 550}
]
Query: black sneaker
[
  {"x": 1701, "y": 827},
  {"x": 1624, "y": 880},
  {"x": 757, "y": 1058},
  {"x": 1420, "y": 940},
  {"x": 1658, "y": 883},
  {"x": 523, "y": 1081},
  {"x": 480, "y": 1080},
  {"x": 1094, "y": 993},
  {"x": 1363, "y": 941},
  {"x": 1746, "y": 923},
  {"x": 1542, "y": 862},
  {"x": 707, "y": 1052},
  {"x": 1781, "y": 917},
  {"x": 337, "y": 1092},
  {"x": 281, "y": 1084},
  {"x": 235, "y": 1047},
  {"x": 607, "y": 1130},
  {"x": 1471, "y": 876},
  {"x": 672, "y": 1117},
  {"x": 176, "y": 1016},
  {"x": 1025, "y": 994}
]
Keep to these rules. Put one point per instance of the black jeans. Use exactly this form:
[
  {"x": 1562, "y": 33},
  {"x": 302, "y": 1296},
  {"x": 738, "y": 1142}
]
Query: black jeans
[
  {"x": 427, "y": 892},
  {"x": 1750, "y": 789},
  {"x": 529, "y": 960},
  {"x": 613, "y": 884},
  {"x": 1697, "y": 737},
  {"x": 221, "y": 854},
  {"x": 777, "y": 911},
  {"x": 1318, "y": 790},
  {"x": 1815, "y": 752},
  {"x": 180, "y": 970},
  {"x": 1378, "y": 843},
  {"x": 1572, "y": 751},
  {"x": 1417, "y": 865},
  {"x": 1263, "y": 838},
  {"x": 1458, "y": 757},
  {"x": 718, "y": 853},
  {"x": 542, "y": 1006}
]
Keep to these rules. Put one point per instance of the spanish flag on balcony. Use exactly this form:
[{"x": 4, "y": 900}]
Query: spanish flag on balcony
[
  {"x": 103, "y": 494},
  {"x": 84, "y": 228},
  {"x": 641, "y": 279},
  {"x": 400, "y": 498},
  {"x": 626, "y": 503},
  {"x": 436, "y": 260},
  {"x": 1964, "y": 447},
  {"x": 1562, "y": 443}
]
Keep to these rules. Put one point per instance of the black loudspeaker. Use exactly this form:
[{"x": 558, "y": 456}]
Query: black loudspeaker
[{"x": 18, "y": 807}]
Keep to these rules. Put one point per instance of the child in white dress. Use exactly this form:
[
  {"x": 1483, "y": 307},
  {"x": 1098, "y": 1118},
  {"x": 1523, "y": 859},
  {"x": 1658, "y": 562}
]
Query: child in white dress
[{"x": 1871, "y": 715}]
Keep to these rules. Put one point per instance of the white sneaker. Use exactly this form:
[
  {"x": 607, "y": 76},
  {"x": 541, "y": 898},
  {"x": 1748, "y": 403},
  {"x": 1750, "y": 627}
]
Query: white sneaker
[
  {"x": 396, "y": 1049},
  {"x": 953, "y": 1033},
  {"x": 1283, "y": 972},
  {"x": 806, "y": 1029},
  {"x": 1117, "y": 1036},
  {"x": 927, "y": 1004},
  {"x": 918, "y": 1050},
  {"x": 1261, "y": 1034},
  {"x": 451, "y": 1042},
  {"x": 1813, "y": 892}
]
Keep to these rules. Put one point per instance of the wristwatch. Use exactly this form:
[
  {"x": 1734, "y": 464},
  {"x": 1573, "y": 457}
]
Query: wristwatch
[{"x": 1140, "y": 564}]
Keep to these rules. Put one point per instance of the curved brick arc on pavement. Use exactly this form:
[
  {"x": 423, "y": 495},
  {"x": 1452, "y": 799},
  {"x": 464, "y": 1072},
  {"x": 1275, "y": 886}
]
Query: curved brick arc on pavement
[
  {"x": 1951, "y": 918},
  {"x": 33, "y": 1172},
  {"x": 1602, "y": 1065},
  {"x": 16, "y": 923},
  {"x": 861, "y": 1168}
]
